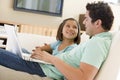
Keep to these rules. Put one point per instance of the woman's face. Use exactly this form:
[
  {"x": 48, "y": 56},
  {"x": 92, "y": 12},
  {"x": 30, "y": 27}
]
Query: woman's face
[{"x": 70, "y": 30}]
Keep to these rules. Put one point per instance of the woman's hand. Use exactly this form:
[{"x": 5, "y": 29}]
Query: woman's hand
[
  {"x": 37, "y": 47},
  {"x": 45, "y": 47}
]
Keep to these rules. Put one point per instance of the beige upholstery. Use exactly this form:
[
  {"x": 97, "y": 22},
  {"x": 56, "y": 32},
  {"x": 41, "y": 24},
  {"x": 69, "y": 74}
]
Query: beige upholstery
[
  {"x": 29, "y": 41},
  {"x": 111, "y": 68},
  {"x": 109, "y": 71},
  {"x": 9, "y": 74}
]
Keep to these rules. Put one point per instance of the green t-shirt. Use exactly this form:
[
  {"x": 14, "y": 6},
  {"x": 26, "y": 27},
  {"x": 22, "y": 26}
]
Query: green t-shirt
[{"x": 93, "y": 52}]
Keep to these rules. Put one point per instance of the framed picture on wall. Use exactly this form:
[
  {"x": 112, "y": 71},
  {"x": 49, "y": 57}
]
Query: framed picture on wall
[
  {"x": 81, "y": 18},
  {"x": 48, "y": 7}
]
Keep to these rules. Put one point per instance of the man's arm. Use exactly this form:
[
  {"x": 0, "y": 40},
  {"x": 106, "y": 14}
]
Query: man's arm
[{"x": 84, "y": 72}]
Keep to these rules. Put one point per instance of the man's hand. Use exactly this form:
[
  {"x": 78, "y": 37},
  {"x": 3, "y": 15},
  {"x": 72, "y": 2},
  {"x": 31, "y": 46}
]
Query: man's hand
[{"x": 42, "y": 55}]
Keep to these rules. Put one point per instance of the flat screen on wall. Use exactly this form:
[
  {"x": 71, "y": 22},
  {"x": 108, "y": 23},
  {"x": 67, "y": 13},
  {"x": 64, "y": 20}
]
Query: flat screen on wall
[{"x": 48, "y": 7}]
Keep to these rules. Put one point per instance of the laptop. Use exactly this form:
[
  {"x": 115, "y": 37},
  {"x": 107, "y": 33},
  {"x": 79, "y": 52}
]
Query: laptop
[{"x": 13, "y": 45}]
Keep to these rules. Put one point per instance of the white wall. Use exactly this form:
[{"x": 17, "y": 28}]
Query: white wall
[
  {"x": 116, "y": 12},
  {"x": 71, "y": 8}
]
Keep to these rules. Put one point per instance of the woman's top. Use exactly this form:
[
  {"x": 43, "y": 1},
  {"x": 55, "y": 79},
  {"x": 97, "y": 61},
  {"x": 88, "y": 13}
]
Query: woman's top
[{"x": 56, "y": 44}]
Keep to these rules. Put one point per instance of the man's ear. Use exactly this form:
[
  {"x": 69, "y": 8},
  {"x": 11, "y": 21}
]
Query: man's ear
[{"x": 98, "y": 22}]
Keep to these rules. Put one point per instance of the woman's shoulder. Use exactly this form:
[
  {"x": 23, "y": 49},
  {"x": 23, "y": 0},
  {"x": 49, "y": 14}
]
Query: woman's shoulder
[
  {"x": 71, "y": 46},
  {"x": 55, "y": 44}
]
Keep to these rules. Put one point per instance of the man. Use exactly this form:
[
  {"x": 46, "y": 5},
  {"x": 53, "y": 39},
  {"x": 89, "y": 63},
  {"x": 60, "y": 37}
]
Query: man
[{"x": 84, "y": 61}]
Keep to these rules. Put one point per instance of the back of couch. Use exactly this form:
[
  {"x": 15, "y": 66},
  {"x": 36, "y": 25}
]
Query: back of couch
[
  {"x": 30, "y": 41},
  {"x": 111, "y": 68}
]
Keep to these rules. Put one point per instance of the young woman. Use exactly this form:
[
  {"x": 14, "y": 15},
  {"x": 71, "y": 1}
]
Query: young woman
[{"x": 68, "y": 36}]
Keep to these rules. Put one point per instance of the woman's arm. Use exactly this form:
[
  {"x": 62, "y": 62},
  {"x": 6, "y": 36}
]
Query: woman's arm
[
  {"x": 45, "y": 47},
  {"x": 48, "y": 47}
]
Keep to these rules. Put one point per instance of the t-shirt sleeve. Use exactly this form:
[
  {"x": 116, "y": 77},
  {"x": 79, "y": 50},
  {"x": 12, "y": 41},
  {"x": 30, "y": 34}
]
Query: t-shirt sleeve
[{"x": 95, "y": 53}]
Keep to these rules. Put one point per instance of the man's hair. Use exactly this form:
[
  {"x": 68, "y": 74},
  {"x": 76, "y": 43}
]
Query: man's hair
[
  {"x": 59, "y": 31},
  {"x": 101, "y": 11}
]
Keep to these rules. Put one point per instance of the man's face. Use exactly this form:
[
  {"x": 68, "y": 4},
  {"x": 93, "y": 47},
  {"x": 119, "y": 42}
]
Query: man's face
[{"x": 90, "y": 27}]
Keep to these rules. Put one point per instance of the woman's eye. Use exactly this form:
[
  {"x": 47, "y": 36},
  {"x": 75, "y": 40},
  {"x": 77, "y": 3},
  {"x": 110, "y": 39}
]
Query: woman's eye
[
  {"x": 75, "y": 27},
  {"x": 67, "y": 26}
]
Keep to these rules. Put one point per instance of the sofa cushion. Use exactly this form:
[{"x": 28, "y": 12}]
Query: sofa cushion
[{"x": 10, "y": 74}]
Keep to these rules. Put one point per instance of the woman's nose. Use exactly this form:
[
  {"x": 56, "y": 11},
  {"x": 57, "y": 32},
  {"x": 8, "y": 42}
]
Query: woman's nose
[
  {"x": 71, "y": 28},
  {"x": 84, "y": 21}
]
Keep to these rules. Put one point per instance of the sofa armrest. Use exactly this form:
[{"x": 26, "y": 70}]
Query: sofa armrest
[{"x": 9, "y": 74}]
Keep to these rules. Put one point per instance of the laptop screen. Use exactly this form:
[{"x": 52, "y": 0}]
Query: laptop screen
[{"x": 12, "y": 40}]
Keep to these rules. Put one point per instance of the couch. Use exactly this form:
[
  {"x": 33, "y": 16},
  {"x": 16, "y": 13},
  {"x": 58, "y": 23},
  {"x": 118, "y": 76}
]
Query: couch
[{"x": 109, "y": 71}]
